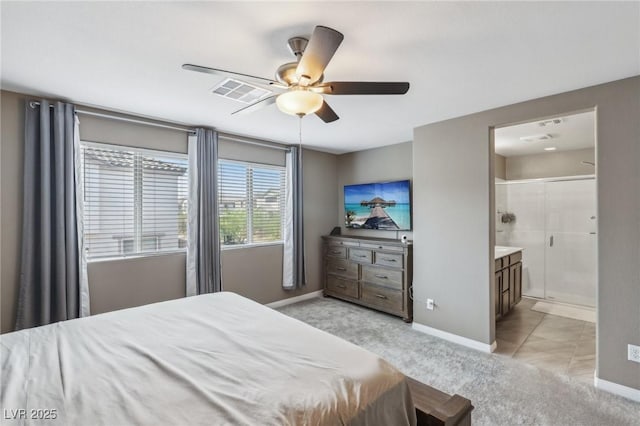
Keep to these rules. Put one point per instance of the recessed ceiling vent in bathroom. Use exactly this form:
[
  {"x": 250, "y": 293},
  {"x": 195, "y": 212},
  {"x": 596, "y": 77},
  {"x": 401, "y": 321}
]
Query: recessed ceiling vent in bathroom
[
  {"x": 536, "y": 138},
  {"x": 552, "y": 122}
]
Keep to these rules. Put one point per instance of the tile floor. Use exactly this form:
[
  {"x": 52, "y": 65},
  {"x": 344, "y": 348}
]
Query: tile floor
[{"x": 554, "y": 343}]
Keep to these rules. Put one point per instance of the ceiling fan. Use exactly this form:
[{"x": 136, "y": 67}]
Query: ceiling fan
[{"x": 299, "y": 86}]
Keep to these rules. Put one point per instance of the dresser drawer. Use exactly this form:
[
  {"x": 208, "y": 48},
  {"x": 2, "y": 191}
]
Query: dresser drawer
[
  {"x": 359, "y": 255},
  {"x": 346, "y": 243},
  {"x": 394, "y": 260},
  {"x": 385, "y": 277},
  {"x": 342, "y": 287},
  {"x": 515, "y": 258},
  {"x": 383, "y": 247},
  {"x": 499, "y": 264},
  {"x": 342, "y": 267},
  {"x": 336, "y": 251},
  {"x": 384, "y": 298}
]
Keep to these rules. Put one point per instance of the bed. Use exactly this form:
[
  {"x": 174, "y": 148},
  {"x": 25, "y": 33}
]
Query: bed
[{"x": 209, "y": 359}]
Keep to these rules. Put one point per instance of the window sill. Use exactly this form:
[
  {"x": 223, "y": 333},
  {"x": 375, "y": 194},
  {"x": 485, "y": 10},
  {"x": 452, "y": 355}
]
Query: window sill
[
  {"x": 136, "y": 256},
  {"x": 170, "y": 253},
  {"x": 253, "y": 245}
]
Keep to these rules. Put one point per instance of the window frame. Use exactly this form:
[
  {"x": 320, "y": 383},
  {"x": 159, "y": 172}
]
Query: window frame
[
  {"x": 137, "y": 185},
  {"x": 250, "y": 201}
]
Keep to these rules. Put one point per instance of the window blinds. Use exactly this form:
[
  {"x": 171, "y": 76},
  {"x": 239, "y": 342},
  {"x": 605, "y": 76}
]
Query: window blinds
[
  {"x": 251, "y": 202},
  {"x": 135, "y": 201}
]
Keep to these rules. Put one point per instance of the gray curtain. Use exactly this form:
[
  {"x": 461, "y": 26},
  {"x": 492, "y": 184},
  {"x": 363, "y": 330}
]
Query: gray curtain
[
  {"x": 49, "y": 272},
  {"x": 294, "y": 262},
  {"x": 203, "y": 252}
]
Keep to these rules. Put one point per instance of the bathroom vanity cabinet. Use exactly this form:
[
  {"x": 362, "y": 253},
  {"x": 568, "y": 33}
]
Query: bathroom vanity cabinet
[{"x": 508, "y": 282}]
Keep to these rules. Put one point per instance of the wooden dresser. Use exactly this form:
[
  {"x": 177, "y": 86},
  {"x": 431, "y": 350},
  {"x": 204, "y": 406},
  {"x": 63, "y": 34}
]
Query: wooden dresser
[{"x": 374, "y": 272}]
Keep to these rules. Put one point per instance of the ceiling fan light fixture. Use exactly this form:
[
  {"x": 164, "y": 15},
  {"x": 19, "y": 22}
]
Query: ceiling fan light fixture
[{"x": 299, "y": 102}]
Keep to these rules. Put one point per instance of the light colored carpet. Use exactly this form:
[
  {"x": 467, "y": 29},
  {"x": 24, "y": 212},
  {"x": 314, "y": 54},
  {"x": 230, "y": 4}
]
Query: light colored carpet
[
  {"x": 504, "y": 391},
  {"x": 573, "y": 312}
]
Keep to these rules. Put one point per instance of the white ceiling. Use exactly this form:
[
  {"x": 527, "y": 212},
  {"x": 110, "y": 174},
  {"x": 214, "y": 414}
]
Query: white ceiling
[
  {"x": 576, "y": 131},
  {"x": 459, "y": 58}
]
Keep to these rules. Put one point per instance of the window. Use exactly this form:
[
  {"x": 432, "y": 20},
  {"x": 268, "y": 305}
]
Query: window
[
  {"x": 135, "y": 201},
  {"x": 251, "y": 203}
]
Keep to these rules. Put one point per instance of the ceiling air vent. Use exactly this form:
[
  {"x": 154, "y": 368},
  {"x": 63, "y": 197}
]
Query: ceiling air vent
[
  {"x": 553, "y": 122},
  {"x": 536, "y": 138},
  {"x": 240, "y": 91}
]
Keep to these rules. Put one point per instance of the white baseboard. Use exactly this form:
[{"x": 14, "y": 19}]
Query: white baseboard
[
  {"x": 470, "y": 343},
  {"x": 624, "y": 391},
  {"x": 295, "y": 299}
]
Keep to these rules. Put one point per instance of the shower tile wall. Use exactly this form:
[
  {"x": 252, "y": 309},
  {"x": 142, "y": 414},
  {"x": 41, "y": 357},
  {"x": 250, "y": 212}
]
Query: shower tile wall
[
  {"x": 501, "y": 207},
  {"x": 526, "y": 202}
]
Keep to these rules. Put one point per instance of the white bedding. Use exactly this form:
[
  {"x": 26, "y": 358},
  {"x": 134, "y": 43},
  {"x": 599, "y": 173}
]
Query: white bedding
[{"x": 211, "y": 359}]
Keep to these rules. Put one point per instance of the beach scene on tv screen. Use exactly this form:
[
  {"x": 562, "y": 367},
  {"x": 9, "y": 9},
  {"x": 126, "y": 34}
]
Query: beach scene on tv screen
[{"x": 384, "y": 206}]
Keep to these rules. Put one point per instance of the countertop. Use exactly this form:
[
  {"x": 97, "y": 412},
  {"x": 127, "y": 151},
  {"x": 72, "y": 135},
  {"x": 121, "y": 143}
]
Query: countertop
[
  {"x": 370, "y": 239},
  {"x": 501, "y": 251}
]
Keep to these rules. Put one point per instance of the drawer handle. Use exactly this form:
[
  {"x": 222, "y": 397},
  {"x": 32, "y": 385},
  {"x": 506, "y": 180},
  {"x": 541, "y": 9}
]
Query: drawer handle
[
  {"x": 360, "y": 255},
  {"x": 340, "y": 268},
  {"x": 341, "y": 286},
  {"x": 336, "y": 252},
  {"x": 389, "y": 260},
  {"x": 382, "y": 276},
  {"x": 381, "y": 296}
]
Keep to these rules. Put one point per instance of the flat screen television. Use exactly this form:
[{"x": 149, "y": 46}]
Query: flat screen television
[{"x": 381, "y": 205}]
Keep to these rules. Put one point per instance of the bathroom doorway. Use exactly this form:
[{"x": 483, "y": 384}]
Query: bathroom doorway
[{"x": 545, "y": 210}]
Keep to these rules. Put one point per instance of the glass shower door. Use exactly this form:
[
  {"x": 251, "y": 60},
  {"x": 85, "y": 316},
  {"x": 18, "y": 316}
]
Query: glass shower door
[{"x": 570, "y": 254}]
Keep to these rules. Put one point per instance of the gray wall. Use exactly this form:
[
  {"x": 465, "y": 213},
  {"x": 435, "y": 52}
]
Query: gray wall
[
  {"x": 393, "y": 162},
  {"x": 453, "y": 196},
  {"x": 131, "y": 282},
  {"x": 553, "y": 164},
  {"x": 452, "y": 238},
  {"x": 125, "y": 283}
]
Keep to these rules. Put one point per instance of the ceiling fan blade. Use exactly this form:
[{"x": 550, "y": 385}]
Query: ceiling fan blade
[
  {"x": 269, "y": 100},
  {"x": 323, "y": 44},
  {"x": 364, "y": 88},
  {"x": 326, "y": 113},
  {"x": 225, "y": 73}
]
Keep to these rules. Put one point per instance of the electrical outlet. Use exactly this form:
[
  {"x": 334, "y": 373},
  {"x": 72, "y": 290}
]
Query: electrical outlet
[
  {"x": 633, "y": 353},
  {"x": 430, "y": 304}
]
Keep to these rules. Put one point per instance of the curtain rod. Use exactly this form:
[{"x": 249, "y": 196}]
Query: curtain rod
[
  {"x": 229, "y": 136},
  {"x": 32, "y": 104}
]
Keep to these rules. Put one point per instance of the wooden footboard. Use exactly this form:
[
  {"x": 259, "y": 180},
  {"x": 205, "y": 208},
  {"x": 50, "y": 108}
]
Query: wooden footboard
[{"x": 436, "y": 408}]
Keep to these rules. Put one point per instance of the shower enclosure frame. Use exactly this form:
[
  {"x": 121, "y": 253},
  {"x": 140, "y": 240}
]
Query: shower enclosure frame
[{"x": 542, "y": 260}]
